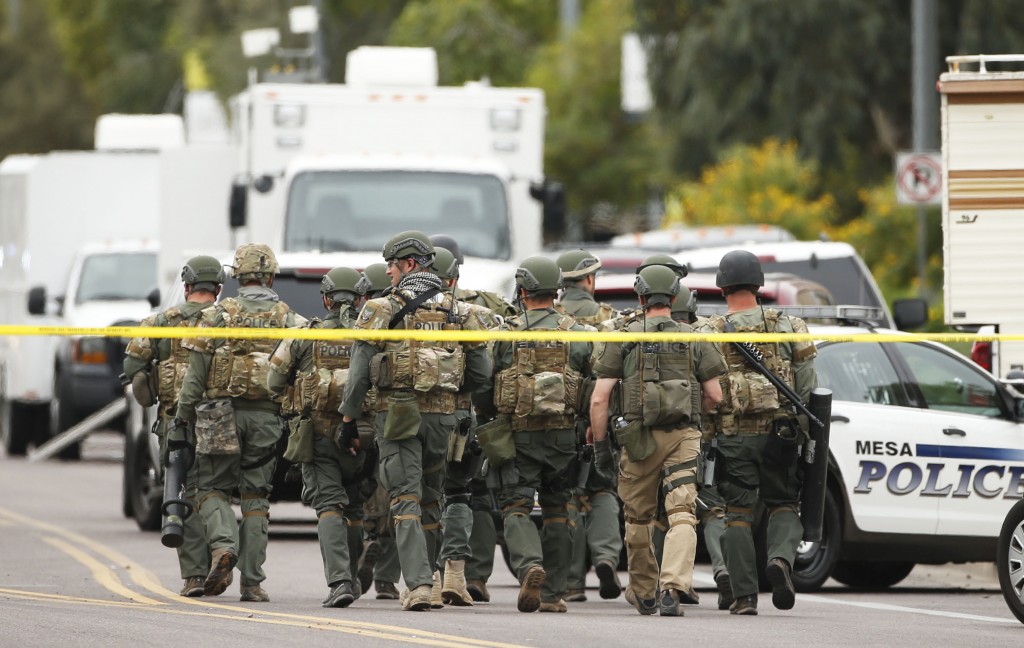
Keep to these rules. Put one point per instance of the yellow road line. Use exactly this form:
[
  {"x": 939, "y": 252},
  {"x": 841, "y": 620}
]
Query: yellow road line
[
  {"x": 487, "y": 336},
  {"x": 104, "y": 575},
  {"x": 149, "y": 581},
  {"x": 60, "y": 598}
]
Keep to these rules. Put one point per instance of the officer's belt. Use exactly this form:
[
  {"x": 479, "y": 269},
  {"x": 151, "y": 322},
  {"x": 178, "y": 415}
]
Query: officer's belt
[
  {"x": 754, "y": 425},
  {"x": 255, "y": 405},
  {"x": 541, "y": 423}
]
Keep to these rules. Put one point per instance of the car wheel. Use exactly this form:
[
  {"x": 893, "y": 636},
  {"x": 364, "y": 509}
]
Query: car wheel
[
  {"x": 815, "y": 560},
  {"x": 16, "y": 422},
  {"x": 869, "y": 575},
  {"x": 147, "y": 492},
  {"x": 1010, "y": 560},
  {"x": 126, "y": 472},
  {"x": 62, "y": 417}
]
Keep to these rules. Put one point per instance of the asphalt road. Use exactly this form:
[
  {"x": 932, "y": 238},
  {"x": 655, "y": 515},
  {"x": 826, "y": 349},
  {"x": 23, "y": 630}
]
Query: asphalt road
[{"x": 73, "y": 571}]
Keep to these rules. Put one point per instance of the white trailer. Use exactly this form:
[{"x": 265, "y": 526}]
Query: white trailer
[
  {"x": 343, "y": 167},
  {"x": 983, "y": 198}
]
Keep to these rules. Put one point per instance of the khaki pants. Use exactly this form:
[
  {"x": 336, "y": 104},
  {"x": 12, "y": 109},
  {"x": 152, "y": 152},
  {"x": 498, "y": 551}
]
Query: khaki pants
[{"x": 671, "y": 466}]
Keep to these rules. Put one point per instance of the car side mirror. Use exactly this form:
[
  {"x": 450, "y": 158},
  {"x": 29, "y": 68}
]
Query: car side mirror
[
  {"x": 37, "y": 301},
  {"x": 909, "y": 313},
  {"x": 153, "y": 298},
  {"x": 1018, "y": 406},
  {"x": 551, "y": 196},
  {"x": 237, "y": 205}
]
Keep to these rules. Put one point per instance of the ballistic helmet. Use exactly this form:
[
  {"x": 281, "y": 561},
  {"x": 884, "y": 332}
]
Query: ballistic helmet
[
  {"x": 657, "y": 280},
  {"x": 344, "y": 280},
  {"x": 739, "y": 268},
  {"x": 448, "y": 243},
  {"x": 254, "y": 260},
  {"x": 576, "y": 264},
  {"x": 664, "y": 260},
  {"x": 203, "y": 270},
  {"x": 538, "y": 274},
  {"x": 377, "y": 275},
  {"x": 409, "y": 244},
  {"x": 445, "y": 265}
]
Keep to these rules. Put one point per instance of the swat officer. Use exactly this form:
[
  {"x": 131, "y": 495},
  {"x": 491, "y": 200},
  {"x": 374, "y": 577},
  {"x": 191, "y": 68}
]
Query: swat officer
[
  {"x": 418, "y": 382},
  {"x": 664, "y": 388},
  {"x": 489, "y": 300},
  {"x": 316, "y": 372},
  {"x": 237, "y": 422},
  {"x": 537, "y": 395},
  {"x": 758, "y": 437},
  {"x": 156, "y": 368},
  {"x": 595, "y": 508}
]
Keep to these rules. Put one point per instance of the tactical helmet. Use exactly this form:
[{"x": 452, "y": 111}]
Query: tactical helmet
[
  {"x": 538, "y": 274},
  {"x": 377, "y": 274},
  {"x": 254, "y": 259},
  {"x": 739, "y": 268},
  {"x": 344, "y": 279},
  {"x": 664, "y": 260},
  {"x": 445, "y": 265},
  {"x": 203, "y": 269},
  {"x": 688, "y": 305},
  {"x": 657, "y": 280},
  {"x": 448, "y": 243},
  {"x": 408, "y": 244},
  {"x": 576, "y": 264}
]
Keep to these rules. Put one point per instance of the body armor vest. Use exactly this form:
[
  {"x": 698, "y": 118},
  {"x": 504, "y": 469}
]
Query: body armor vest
[
  {"x": 433, "y": 370},
  {"x": 540, "y": 390},
  {"x": 659, "y": 387},
  {"x": 239, "y": 367},
  {"x": 170, "y": 372},
  {"x": 319, "y": 390},
  {"x": 748, "y": 399}
]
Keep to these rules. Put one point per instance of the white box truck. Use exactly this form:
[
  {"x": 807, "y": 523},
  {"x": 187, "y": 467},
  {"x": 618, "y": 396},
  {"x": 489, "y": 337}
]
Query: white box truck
[
  {"x": 983, "y": 200},
  {"x": 342, "y": 167}
]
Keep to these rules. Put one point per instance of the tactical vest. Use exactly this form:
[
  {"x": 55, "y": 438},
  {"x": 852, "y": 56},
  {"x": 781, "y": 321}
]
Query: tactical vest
[
  {"x": 433, "y": 370},
  {"x": 171, "y": 371},
  {"x": 604, "y": 313},
  {"x": 239, "y": 367},
  {"x": 319, "y": 390},
  {"x": 659, "y": 387},
  {"x": 749, "y": 400},
  {"x": 540, "y": 390}
]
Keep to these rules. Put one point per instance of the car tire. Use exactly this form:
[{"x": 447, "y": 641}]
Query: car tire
[
  {"x": 63, "y": 417},
  {"x": 126, "y": 472},
  {"x": 871, "y": 575},
  {"x": 17, "y": 422},
  {"x": 1010, "y": 560},
  {"x": 146, "y": 488},
  {"x": 816, "y": 560}
]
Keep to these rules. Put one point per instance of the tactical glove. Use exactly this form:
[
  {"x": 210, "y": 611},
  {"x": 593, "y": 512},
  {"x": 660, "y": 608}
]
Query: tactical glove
[
  {"x": 604, "y": 457},
  {"x": 348, "y": 437}
]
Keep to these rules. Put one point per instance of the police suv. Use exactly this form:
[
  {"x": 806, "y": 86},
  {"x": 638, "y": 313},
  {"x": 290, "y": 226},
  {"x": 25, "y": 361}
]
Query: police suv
[{"x": 926, "y": 458}]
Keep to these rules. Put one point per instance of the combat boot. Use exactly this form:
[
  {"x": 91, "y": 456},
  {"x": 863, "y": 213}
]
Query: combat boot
[
  {"x": 555, "y": 606},
  {"x": 725, "y": 597},
  {"x": 689, "y": 596},
  {"x": 436, "y": 600},
  {"x": 371, "y": 554},
  {"x": 222, "y": 562},
  {"x": 575, "y": 596},
  {"x": 453, "y": 590},
  {"x": 341, "y": 595},
  {"x": 478, "y": 590},
  {"x": 668, "y": 603},
  {"x": 744, "y": 605},
  {"x": 644, "y": 606},
  {"x": 254, "y": 594},
  {"x": 193, "y": 587},
  {"x": 609, "y": 577},
  {"x": 529, "y": 591},
  {"x": 417, "y": 600},
  {"x": 783, "y": 595},
  {"x": 386, "y": 590}
]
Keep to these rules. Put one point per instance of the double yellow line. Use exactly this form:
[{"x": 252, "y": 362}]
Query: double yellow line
[{"x": 72, "y": 544}]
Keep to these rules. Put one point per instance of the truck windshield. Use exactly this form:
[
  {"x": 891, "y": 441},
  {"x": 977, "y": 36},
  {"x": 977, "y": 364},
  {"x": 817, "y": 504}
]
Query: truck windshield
[
  {"x": 333, "y": 211},
  {"x": 117, "y": 276}
]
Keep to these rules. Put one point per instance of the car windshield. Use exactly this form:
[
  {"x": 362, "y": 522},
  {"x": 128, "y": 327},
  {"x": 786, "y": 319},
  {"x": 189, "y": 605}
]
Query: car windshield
[
  {"x": 117, "y": 276},
  {"x": 359, "y": 210}
]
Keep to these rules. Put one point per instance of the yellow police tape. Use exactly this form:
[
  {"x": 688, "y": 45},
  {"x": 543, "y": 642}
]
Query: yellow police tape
[{"x": 488, "y": 336}]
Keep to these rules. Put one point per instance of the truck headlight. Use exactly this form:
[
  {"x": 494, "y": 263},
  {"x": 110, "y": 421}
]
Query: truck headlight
[{"x": 89, "y": 350}]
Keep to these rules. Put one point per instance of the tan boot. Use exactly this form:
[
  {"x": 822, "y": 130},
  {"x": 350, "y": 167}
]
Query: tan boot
[
  {"x": 557, "y": 606},
  {"x": 417, "y": 600},
  {"x": 454, "y": 591},
  {"x": 221, "y": 563},
  {"x": 436, "y": 600},
  {"x": 193, "y": 586},
  {"x": 529, "y": 591},
  {"x": 254, "y": 594}
]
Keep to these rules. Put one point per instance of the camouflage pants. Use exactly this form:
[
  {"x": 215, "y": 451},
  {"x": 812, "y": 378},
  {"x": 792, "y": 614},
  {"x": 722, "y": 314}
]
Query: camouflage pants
[{"x": 219, "y": 475}]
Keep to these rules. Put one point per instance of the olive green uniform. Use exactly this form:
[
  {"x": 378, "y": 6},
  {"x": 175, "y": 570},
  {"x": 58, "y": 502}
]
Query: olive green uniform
[
  {"x": 172, "y": 360},
  {"x": 595, "y": 509},
  {"x": 418, "y": 383},
  {"x": 661, "y": 399},
  {"x": 335, "y": 480},
  {"x": 743, "y": 430},
  {"x": 235, "y": 369},
  {"x": 545, "y": 446}
]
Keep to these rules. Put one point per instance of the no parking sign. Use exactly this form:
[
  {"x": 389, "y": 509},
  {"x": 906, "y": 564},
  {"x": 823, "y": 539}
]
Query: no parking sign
[{"x": 919, "y": 178}]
